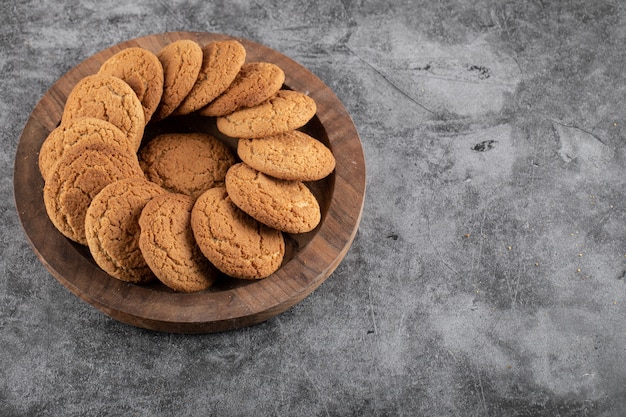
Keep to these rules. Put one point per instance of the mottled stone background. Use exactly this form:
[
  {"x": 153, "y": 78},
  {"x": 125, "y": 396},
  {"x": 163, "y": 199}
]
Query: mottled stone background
[{"x": 487, "y": 277}]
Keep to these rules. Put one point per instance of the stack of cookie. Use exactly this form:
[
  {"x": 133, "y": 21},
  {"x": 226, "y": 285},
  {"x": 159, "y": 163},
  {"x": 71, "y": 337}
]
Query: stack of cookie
[{"x": 184, "y": 208}]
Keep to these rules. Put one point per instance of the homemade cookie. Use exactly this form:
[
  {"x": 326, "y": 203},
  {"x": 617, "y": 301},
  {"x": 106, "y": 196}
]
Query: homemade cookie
[
  {"x": 293, "y": 155},
  {"x": 221, "y": 61},
  {"x": 168, "y": 246},
  {"x": 79, "y": 131},
  {"x": 112, "y": 228},
  {"x": 287, "y": 110},
  {"x": 108, "y": 98},
  {"x": 181, "y": 61},
  {"x": 288, "y": 206},
  {"x": 255, "y": 83},
  {"x": 142, "y": 71},
  {"x": 186, "y": 163},
  {"x": 234, "y": 242},
  {"x": 77, "y": 177}
]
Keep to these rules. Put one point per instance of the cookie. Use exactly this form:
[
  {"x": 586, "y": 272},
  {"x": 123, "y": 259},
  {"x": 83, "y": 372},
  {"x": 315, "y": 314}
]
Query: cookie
[
  {"x": 77, "y": 177},
  {"x": 293, "y": 155},
  {"x": 181, "y": 61},
  {"x": 108, "y": 98},
  {"x": 234, "y": 242},
  {"x": 221, "y": 61},
  {"x": 287, "y": 110},
  {"x": 255, "y": 83},
  {"x": 167, "y": 244},
  {"x": 112, "y": 228},
  {"x": 288, "y": 206},
  {"x": 79, "y": 131},
  {"x": 142, "y": 71},
  {"x": 186, "y": 163}
]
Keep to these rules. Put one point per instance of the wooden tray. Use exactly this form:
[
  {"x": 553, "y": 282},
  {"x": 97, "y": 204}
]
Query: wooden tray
[{"x": 310, "y": 258}]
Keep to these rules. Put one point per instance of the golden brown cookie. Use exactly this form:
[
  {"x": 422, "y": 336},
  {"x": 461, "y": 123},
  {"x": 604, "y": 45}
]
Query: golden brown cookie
[
  {"x": 168, "y": 246},
  {"x": 77, "y": 177},
  {"x": 287, "y": 110},
  {"x": 108, "y": 98},
  {"x": 293, "y": 155},
  {"x": 112, "y": 228},
  {"x": 186, "y": 163},
  {"x": 181, "y": 61},
  {"x": 288, "y": 206},
  {"x": 255, "y": 83},
  {"x": 234, "y": 242},
  {"x": 221, "y": 61},
  {"x": 79, "y": 131},
  {"x": 142, "y": 71}
]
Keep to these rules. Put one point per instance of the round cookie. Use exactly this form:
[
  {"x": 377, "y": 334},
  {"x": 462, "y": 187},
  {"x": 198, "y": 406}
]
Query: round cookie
[
  {"x": 77, "y": 177},
  {"x": 112, "y": 228},
  {"x": 142, "y": 71},
  {"x": 287, "y": 110},
  {"x": 181, "y": 61},
  {"x": 79, "y": 131},
  {"x": 255, "y": 83},
  {"x": 221, "y": 61},
  {"x": 108, "y": 98},
  {"x": 292, "y": 155},
  {"x": 288, "y": 206},
  {"x": 186, "y": 163},
  {"x": 234, "y": 242},
  {"x": 168, "y": 246}
]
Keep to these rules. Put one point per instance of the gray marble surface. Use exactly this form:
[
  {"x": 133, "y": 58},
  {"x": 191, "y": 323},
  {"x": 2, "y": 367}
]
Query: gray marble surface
[{"x": 487, "y": 277}]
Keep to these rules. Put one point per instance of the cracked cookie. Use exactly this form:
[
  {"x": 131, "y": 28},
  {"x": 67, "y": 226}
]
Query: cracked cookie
[
  {"x": 83, "y": 130},
  {"x": 181, "y": 61},
  {"x": 221, "y": 62},
  {"x": 287, "y": 110},
  {"x": 77, "y": 178},
  {"x": 234, "y": 242},
  {"x": 292, "y": 155},
  {"x": 112, "y": 228},
  {"x": 168, "y": 246},
  {"x": 142, "y": 71},
  {"x": 186, "y": 163},
  {"x": 255, "y": 83},
  {"x": 288, "y": 206},
  {"x": 108, "y": 98}
]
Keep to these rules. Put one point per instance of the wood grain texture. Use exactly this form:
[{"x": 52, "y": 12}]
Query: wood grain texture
[{"x": 311, "y": 257}]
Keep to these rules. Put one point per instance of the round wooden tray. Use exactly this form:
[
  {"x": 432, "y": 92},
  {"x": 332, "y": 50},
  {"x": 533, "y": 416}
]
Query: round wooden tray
[{"x": 231, "y": 304}]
